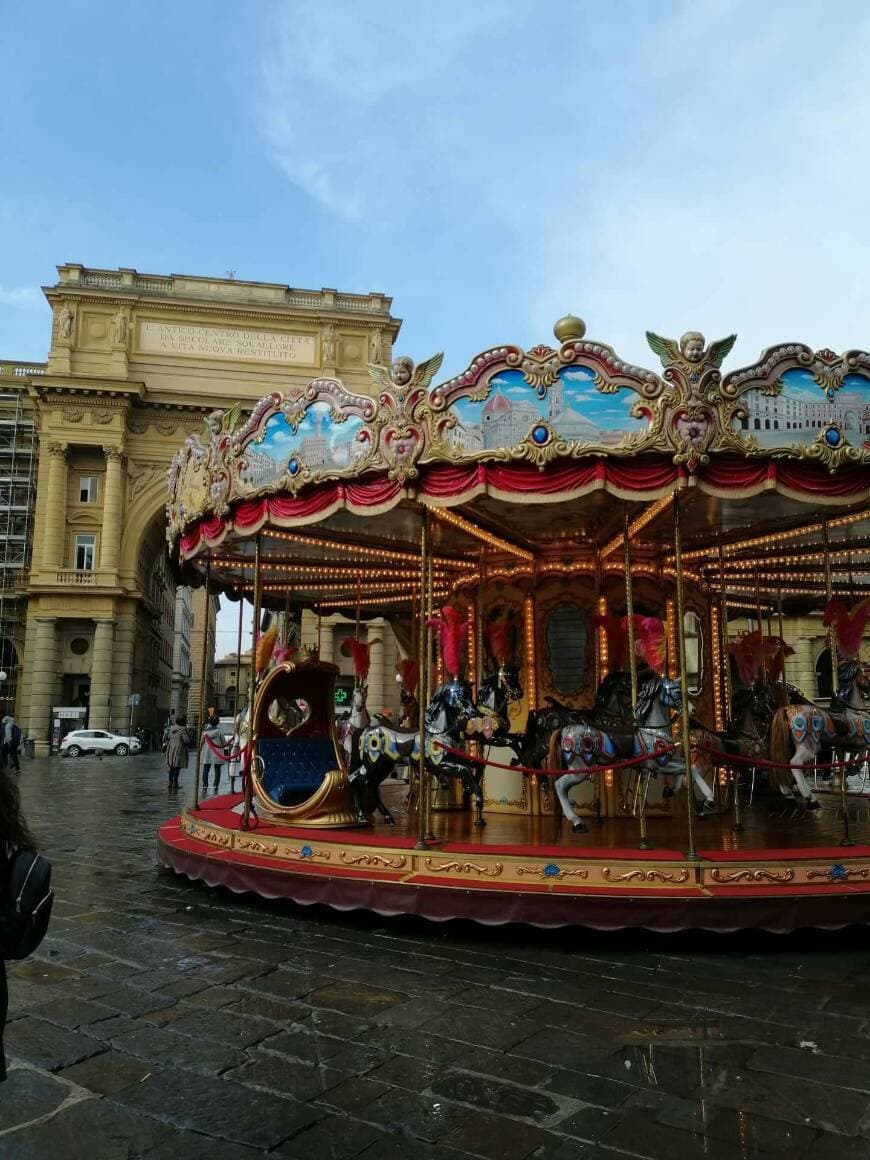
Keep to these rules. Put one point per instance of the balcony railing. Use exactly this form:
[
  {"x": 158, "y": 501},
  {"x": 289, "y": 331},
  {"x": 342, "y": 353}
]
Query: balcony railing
[{"x": 81, "y": 577}]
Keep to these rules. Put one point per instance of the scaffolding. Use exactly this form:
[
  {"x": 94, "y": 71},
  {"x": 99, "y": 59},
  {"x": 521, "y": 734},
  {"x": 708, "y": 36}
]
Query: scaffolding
[{"x": 17, "y": 495}]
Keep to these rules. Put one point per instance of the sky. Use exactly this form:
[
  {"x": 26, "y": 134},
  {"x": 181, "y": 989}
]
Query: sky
[{"x": 491, "y": 165}]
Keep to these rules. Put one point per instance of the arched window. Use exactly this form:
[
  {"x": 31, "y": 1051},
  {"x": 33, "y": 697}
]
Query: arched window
[{"x": 824, "y": 676}]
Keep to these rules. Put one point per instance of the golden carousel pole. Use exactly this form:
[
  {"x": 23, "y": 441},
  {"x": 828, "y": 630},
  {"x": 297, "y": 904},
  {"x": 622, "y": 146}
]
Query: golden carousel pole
[
  {"x": 781, "y": 632},
  {"x": 200, "y": 714},
  {"x": 425, "y": 648},
  {"x": 846, "y": 839},
  {"x": 691, "y": 853},
  {"x": 725, "y": 679},
  {"x": 643, "y": 776},
  {"x": 252, "y": 689},
  {"x": 430, "y": 605},
  {"x": 239, "y": 655}
]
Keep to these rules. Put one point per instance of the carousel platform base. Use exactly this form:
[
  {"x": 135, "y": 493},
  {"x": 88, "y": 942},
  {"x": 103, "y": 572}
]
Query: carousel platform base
[{"x": 781, "y": 872}]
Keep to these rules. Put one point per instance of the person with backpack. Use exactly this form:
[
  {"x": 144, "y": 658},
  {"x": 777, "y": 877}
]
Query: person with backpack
[
  {"x": 177, "y": 749},
  {"x": 11, "y": 744},
  {"x": 26, "y": 896}
]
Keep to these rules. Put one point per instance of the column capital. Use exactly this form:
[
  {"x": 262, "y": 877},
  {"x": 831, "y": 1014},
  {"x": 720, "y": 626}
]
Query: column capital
[
  {"x": 116, "y": 454},
  {"x": 57, "y": 449},
  {"x": 105, "y": 621}
]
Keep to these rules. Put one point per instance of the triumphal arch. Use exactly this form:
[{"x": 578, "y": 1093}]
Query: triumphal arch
[{"x": 136, "y": 362}]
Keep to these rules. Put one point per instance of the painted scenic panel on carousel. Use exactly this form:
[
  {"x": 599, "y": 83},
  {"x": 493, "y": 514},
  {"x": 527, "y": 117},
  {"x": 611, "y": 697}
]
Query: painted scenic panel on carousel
[
  {"x": 317, "y": 442},
  {"x": 803, "y": 409},
  {"x": 573, "y": 408}
]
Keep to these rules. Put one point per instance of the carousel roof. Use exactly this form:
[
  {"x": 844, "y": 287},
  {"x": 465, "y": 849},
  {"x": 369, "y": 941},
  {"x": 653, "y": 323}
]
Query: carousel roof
[{"x": 536, "y": 461}]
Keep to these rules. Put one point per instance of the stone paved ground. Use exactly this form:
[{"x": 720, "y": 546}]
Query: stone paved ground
[{"x": 163, "y": 1020}]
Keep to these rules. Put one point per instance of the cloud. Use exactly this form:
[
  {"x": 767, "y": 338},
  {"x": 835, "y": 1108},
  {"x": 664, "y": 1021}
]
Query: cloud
[{"x": 21, "y": 297}]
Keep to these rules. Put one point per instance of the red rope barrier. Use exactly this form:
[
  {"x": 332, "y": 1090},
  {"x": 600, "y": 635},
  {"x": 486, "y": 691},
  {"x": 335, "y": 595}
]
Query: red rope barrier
[
  {"x": 218, "y": 752},
  {"x": 601, "y": 768},
  {"x": 739, "y": 759}
]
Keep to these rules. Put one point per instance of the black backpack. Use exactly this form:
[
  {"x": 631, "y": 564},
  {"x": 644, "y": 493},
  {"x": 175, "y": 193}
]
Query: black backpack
[
  {"x": 26, "y": 899},
  {"x": 16, "y": 736}
]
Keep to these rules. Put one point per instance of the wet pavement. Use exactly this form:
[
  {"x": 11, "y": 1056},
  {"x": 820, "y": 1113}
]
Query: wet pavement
[{"x": 165, "y": 1020}]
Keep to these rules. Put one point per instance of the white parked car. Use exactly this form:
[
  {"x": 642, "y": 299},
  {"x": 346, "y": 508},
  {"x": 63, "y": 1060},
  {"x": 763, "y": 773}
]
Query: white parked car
[{"x": 98, "y": 741}]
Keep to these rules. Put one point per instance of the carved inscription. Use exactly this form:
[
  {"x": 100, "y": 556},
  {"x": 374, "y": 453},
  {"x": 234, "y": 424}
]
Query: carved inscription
[{"x": 227, "y": 342}]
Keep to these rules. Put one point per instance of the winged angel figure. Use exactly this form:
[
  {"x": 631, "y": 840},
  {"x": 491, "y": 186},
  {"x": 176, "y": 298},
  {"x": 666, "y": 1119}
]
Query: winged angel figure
[
  {"x": 690, "y": 354},
  {"x": 404, "y": 376}
]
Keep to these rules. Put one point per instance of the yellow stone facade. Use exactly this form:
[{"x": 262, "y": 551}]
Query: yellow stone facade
[{"x": 135, "y": 363}]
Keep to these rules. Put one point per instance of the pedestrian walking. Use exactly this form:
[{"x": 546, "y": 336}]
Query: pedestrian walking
[
  {"x": 177, "y": 749},
  {"x": 14, "y": 835},
  {"x": 211, "y": 750},
  {"x": 11, "y": 744}
]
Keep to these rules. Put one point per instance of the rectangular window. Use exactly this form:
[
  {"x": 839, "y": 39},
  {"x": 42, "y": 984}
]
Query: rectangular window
[
  {"x": 85, "y": 553},
  {"x": 87, "y": 489}
]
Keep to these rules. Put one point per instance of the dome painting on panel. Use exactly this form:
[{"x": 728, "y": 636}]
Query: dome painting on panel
[
  {"x": 573, "y": 406},
  {"x": 318, "y": 441},
  {"x": 802, "y": 410}
]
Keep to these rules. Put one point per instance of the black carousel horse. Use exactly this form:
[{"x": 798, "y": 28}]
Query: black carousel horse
[{"x": 381, "y": 748}]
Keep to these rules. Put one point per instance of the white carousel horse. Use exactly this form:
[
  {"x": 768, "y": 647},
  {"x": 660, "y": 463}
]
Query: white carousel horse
[
  {"x": 798, "y": 732},
  {"x": 584, "y": 748},
  {"x": 355, "y": 721}
]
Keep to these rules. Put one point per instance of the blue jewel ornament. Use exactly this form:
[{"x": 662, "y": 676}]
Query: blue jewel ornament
[
  {"x": 540, "y": 434},
  {"x": 832, "y": 437},
  {"x": 551, "y": 870},
  {"x": 306, "y": 852},
  {"x": 293, "y": 466},
  {"x": 839, "y": 872},
  {"x": 830, "y": 392},
  {"x": 693, "y": 377}
]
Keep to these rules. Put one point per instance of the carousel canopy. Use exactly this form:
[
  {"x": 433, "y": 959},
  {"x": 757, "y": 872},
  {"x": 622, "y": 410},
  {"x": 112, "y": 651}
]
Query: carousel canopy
[{"x": 539, "y": 461}]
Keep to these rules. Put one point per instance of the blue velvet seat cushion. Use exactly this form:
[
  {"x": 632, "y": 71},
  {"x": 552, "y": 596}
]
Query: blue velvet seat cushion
[{"x": 294, "y": 767}]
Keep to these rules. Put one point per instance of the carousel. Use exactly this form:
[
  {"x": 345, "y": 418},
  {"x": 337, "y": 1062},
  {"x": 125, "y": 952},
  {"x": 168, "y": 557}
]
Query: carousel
[{"x": 590, "y": 567}]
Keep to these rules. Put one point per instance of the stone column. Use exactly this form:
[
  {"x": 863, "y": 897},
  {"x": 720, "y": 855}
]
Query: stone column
[
  {"x": 44, "y": 662},
  {"x": 55, "y": 509},
  {"x": 113, "y": 502},
  {"x": 327, "y": 647},
  {"x": 122, "y": 679},
  {"x": 375, "y": 637},
  {"x": 100, "y": 713}
]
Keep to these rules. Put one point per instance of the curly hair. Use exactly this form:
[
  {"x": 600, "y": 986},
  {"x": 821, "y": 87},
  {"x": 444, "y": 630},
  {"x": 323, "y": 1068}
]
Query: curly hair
[{"x": 14, "y": 830}]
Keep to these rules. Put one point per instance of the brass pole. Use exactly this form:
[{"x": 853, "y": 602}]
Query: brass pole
[
  {"x": 597, "y": 598},
  {"x": 781, "y": 632},
  {"x": 252, "y": 690},
  {"x": 642, "y": 775},
  {"x": 764, "y": 679},
  {"x": 691, "y": 853},
  {"x": 629, "y": 608},
  {"x": 846, "y": 840},
  {"x": 200, "y": 713},
  {"x": 425, "y": 646},
  {"x": 239, "y": 655},
  {"x": 430, "y": 604},
  {"x": 723, "y": 619}
]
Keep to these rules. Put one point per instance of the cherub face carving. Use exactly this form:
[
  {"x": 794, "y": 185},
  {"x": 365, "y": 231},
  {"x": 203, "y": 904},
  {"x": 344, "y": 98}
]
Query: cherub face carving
[
  {"x": 692, "y": 346},
  {"x": 402, "y": 371}
]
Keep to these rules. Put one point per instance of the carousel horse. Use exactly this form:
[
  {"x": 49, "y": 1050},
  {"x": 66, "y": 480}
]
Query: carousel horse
[
  {"x": 585, "y": 748},
  {"x": 352, "y": 724},
  {"x": 409, "y": 710},
  {"x": 498, "y": 689},
  {"x": 799, "y": 732},
  {"x": 612, "y": 709},
  {"x": 380, "y": 748}
]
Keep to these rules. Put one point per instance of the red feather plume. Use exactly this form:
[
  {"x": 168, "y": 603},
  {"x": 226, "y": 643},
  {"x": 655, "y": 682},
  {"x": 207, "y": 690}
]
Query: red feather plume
[
  {"x": 748, "y": 653},
  {"x": 775, "y": 652},
  {"x": 409, "y": 671},
  {"x": 848, "y": 625},
  {"x": 351, "y": 647},
  {"x": 498, "y": 638},
  {"x": 453, "y": 627},
  {"x": 649, "y": 641}
]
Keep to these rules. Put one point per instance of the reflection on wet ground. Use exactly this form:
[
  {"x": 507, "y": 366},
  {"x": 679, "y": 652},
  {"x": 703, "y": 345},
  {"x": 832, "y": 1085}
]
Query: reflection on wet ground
[{"x": 162, "y": 1019}]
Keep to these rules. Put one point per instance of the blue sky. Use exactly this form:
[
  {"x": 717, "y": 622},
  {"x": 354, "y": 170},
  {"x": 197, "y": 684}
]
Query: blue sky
[{"x": 492, "y": 165}]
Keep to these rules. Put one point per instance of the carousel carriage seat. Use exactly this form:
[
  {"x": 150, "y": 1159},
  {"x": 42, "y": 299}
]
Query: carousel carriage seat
[{"x": 294, "y": 767}]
